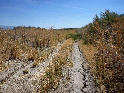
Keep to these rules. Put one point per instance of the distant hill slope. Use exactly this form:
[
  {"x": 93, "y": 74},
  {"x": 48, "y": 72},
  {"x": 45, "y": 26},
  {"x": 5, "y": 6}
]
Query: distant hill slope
[{"x": 6, "y": 27}]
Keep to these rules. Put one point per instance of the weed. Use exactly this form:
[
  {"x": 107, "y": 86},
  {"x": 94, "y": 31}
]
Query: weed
[{"x": 25, "y": 72}]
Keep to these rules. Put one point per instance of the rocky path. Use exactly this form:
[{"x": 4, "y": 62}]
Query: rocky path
[
  {"x": 18, "y": 82},
  {"x": 81, "y": 80}
]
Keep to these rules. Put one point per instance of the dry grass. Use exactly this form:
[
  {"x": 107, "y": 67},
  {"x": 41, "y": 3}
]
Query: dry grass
[
  {"x": 89, "y": 52},
  {"x": 107, "y": 35},
  {"x": 54, "y": 72},
  {"x": 27, "y": 43}
]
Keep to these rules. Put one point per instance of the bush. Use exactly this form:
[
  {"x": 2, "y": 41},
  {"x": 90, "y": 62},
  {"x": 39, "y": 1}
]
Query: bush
[
  {"x": 76, "y": 36},
  {"x": 106, "y": 33}
]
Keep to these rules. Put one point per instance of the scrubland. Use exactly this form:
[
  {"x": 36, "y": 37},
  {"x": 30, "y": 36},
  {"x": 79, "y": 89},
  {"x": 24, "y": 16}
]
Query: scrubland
[
  {"x": 44, "y": 54},
  {"x": 103, "y": 46},
  {"x": 27, "y": 43}
]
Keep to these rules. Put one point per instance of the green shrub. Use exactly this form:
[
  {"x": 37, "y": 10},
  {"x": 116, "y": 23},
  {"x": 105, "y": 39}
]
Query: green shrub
[{"x": 75, "y": 36}]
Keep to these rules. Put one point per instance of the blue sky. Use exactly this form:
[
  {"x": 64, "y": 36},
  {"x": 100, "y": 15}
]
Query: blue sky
[{"x": 56, "y": 13}]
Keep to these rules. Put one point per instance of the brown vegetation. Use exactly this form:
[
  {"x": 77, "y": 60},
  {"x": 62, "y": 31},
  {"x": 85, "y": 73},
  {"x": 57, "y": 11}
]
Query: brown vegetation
[
  {"x": 106, "y": 34},
  {"x": 89, "y": 52},
  {"x": 54, "y": 72},
  {"x": 26, "y": 43}
]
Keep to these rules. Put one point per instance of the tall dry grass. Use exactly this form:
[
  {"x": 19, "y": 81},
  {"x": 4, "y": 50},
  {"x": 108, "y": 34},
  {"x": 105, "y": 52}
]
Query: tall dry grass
[
  {"x": 25, "y": 43},
  {"x": 54, "y": 72},
  {"x": 106, "y": 34}
]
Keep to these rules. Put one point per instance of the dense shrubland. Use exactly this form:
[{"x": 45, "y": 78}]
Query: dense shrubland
[
  {"x": 106, "y": 35},
  {"x": 27, "y": 43}
]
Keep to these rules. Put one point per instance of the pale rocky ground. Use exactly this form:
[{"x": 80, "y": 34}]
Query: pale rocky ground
[
  {"x": 17, "y": 82},
  {"x": 79, "y": 77}
]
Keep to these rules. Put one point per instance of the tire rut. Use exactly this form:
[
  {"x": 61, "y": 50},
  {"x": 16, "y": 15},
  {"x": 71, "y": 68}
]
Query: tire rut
[
  {"x": 30, "y": 82},
  {"x": 81, "y": 79}
]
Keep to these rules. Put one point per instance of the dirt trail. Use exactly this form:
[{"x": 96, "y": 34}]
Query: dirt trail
[
  {"x": 26, "y": 83},
  {"x": 81, "y": 79}
]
